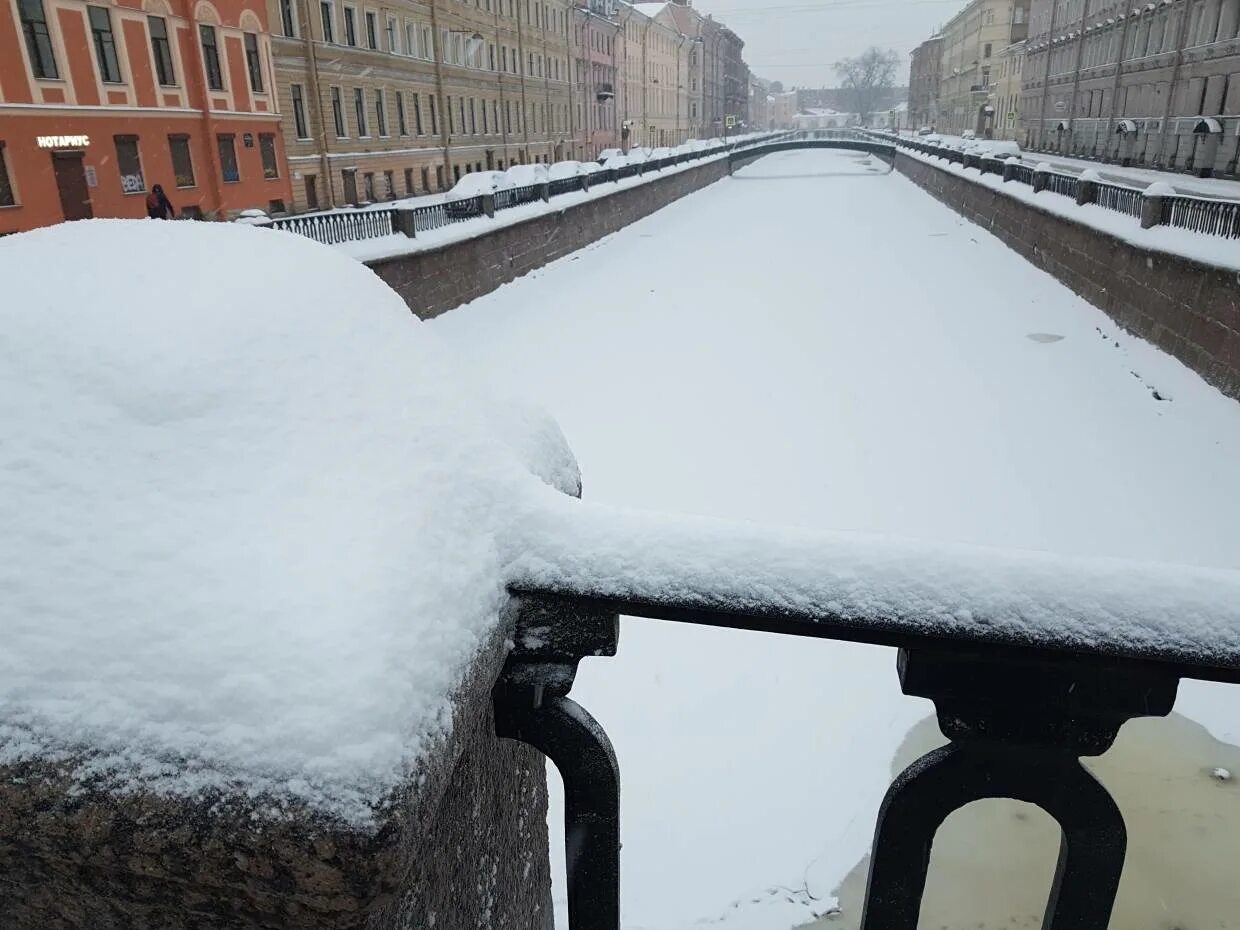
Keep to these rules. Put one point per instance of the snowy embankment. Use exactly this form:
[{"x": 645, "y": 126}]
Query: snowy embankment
[
  {"x": 1209, "y": 250},
  {"x": 873, "y": 367}
]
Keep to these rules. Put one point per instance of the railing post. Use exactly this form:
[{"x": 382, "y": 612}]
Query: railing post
[
  {"x": 403, "y": 221},
  {"x": 488, "y": 205},
  {"x": 1087, "y": 186},
  {"x": 585, "y": 182},
  {"x": 1039, "y": 176},
  {"x": 544, "y": 192},
  {"x": 1152, "y": 203},
  {"x": 1009, "y": 168}
]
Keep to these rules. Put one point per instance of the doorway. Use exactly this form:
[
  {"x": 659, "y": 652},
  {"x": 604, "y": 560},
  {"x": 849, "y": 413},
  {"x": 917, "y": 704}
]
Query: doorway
[
  {"x": 349, "y": 176},
  {"x": 71, "y": 182}
]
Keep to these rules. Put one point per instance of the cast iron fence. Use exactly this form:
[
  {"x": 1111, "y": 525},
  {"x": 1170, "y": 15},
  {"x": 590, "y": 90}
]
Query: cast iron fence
[
  {"x": 1118, "y": 198},
  {"x": 566, "y": 185},
  {"x": 1202, "y": 215},
  {"x": 346, "y": 226},
  {"x": 1064, "y": 184},
  {"x": 515, "y": 196},
  {"x": 1019, "y": 712}
]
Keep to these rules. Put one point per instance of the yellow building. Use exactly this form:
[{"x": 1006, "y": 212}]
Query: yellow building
[
  {"x": 1007, "y": 92},
  {"x": 656, "y": 102},
  {"x": 400, "y": 97},
  {"x": 971, "y": 42}
]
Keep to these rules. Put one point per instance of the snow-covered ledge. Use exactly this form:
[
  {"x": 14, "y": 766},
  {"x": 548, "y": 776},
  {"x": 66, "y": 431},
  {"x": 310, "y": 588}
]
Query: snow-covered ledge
[{"x": 254, "y": 599}]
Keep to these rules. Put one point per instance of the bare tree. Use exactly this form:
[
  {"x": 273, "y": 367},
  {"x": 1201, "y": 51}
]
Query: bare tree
[{"x": 866, "y": 80}]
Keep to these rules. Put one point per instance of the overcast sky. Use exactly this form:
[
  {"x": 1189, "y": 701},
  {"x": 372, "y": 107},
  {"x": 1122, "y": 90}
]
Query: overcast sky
[{"x": 797, "y": 41}]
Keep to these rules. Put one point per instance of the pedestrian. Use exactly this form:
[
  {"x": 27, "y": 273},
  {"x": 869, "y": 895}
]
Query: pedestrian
[{"x": 158, "y": 207}]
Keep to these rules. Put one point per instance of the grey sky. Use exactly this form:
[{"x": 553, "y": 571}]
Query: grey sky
[{"x": 796, "y": 41}]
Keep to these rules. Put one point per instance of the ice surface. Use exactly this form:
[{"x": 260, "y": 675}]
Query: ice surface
[
  {"x": 861, "y": 367},
  {"x": 250, "y": 508}
]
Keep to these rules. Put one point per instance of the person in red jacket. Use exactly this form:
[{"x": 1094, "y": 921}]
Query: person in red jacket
[{"x": 158, "y": 207}]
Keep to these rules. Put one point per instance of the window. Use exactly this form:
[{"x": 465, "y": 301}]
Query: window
[
  {"x": 417, "y": 113},
  {"x": 409, "y": 182},
  {"x": 491, "y": 56},
  {"x": 338, "y": 114},
  {"x": 267, "y": 150},
  {"x": 130, "y": 164},
  {"x": 105, "y": 44},
  {"x": 359, "y": 110},
  {"x": 391, "y": 34},
  {"x": 211, "y": 58},
  {"x": 411, "y": 40},
  {"x": 372, "y": 31},
  {"x": 7, "y": 197},
  {"x": 483, "y": 108},
  {"x": 434, "y": 119},
  {"x": 312, "y": 191},
  {"x": 389, "y": 185},
  {"x": 299, "y": 112},
  {"x": 228, "y": 158},
  {"x": 428, "y": 47},
  {"x": 161, "y": 50},
  {"x": 461, "y": 103},
  {"x": 380, "y": 113},
  {"x": 401, "y": 126},
  {"x": 288, "y": 18},
  {"x": 368, "y": 185},
  {"x": 182, "y": 163},
  {"x": 326, "y": 12},
  {"x": 986, "y": 50},
  {"x": 38, "y": 39},
  {"x": 439, "y": 177},
  {"x": 254, "y": 62},
  {"x": 350, "y": 26},
  {"x": 473, "y": 118}
]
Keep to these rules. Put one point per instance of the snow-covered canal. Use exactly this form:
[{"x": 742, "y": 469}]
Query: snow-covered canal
[{"x": 816, "y": 342}]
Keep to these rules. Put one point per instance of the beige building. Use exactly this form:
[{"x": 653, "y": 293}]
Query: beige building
[
  {"x": 968, "y": 71},
  {"x": 783, "y": 110},
  {"x": 1007, "y": 93},
  {"x": 655, "y": 104},
  {"x": 401, "y": 97}
]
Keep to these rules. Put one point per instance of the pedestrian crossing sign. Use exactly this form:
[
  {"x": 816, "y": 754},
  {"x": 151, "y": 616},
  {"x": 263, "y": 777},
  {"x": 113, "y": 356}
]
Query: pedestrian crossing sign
[{"x": 730, "y": 122}]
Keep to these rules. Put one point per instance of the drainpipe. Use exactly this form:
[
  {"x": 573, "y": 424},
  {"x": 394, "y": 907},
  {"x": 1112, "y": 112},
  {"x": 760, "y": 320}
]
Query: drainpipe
[
  {"x": 1076, "y": 73},
  {"x": 312, "y": 73},
  {"x": 502, "y": 128},
  {"x": 523, "y": 116},
  {"x": 444, "y": 115},
  {"x": 1046, "y": 77},
  {"x": 1119, "y": 71},
  {"x": 1181, "y": 40},
  {"x": 208, "y": 122}
]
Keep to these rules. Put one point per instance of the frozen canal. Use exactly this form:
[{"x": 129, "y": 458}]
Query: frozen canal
[{"x": 816, "y": 342}]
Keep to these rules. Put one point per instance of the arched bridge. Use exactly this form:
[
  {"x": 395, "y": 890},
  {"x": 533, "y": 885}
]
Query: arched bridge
[{"x": 853, "y": 139}]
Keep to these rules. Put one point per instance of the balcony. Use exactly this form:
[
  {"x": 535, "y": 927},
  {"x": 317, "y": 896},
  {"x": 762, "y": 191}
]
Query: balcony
[{"x": 604, "y": 91}]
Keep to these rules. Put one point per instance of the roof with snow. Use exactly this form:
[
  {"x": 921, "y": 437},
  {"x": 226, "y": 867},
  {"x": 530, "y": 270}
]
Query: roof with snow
[{"x": 251, "y": 510}]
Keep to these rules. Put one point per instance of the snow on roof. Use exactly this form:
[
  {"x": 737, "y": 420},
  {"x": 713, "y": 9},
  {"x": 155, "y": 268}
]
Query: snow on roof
[
  {"x": 250, "y": 509},
  {"x": 650, "y": 9}
]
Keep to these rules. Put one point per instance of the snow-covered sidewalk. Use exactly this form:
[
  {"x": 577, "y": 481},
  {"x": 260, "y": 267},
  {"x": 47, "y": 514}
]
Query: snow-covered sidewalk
[{"x": 845, "y": 353}]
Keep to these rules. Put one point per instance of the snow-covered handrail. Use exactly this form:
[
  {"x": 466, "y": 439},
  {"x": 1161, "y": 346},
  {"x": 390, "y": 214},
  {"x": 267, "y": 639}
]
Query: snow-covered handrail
[{"x": 1032, "y": 660}]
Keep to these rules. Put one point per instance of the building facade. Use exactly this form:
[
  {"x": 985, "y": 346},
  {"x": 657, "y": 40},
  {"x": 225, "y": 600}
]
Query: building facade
[
  {"x": 1155, "y": 84},
  {"x": 1008, "y": 91},
  {"x": 923, "y": 83},
  {"x": 597, "y": 45},
  {"x": 401, "y": 97},
  {"x": 100, "y": 102},
  {"x": 968, "y": 67},
  {"x": 783, "y": 109}
]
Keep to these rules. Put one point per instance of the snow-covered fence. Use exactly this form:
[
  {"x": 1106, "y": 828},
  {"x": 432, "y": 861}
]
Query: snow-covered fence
[
  {"x": 1031, "y": 660},
  {"x": 330, "y": 228},
  {"x": 515, "y": 196},
  {"x": 1118, "y": 198},
  {"x": 567, "y": 185},
  {"x": 435, "y": 215},
  {"x": 1165, "y": 207},
  {"x": 1202, "y": 215}
]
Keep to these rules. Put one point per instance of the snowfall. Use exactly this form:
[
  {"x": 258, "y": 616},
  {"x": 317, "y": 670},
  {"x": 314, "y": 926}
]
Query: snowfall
[{"x": 257, "y": 525}]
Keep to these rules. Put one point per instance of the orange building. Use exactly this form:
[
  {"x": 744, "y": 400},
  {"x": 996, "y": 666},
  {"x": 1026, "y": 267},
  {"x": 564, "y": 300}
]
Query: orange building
[{"x": 101, "y": 101}]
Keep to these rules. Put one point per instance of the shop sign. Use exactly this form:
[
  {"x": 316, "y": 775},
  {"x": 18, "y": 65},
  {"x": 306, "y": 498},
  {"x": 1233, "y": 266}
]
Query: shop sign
[{"x": 62, "y": 142}]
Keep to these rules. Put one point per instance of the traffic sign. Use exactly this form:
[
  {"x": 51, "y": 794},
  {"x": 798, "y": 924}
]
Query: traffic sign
[{"x": 730, "y": 122}]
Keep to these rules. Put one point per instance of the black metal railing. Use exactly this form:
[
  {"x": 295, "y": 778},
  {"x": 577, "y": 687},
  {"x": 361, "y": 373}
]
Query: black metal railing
[
  {"x": 566, "y": 185},
  {"x": 1118, "y": 198},
  {"x": 1057, "y": 183},
  {"x": 1202, "y": 215},
  {"x": 1023, "y": 174},
  {"x": 515, "y": 196},
  {"x": 1018, "y": 709},
  {"x": 344, "y": 226},
  {"x": 433, "y": 216}
]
